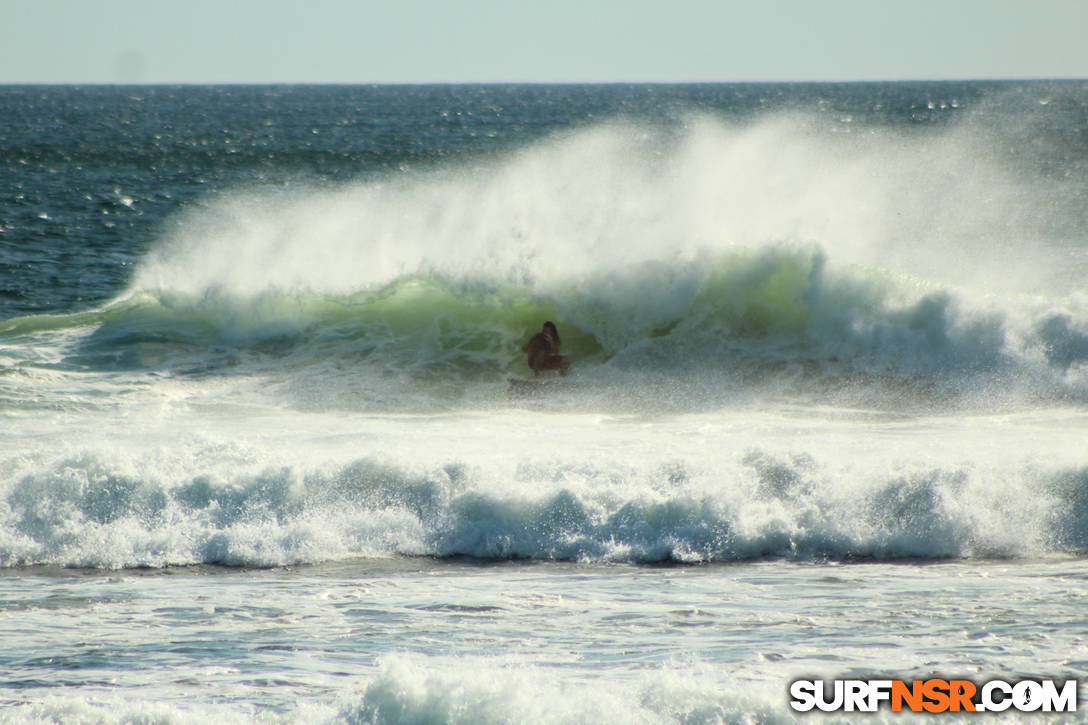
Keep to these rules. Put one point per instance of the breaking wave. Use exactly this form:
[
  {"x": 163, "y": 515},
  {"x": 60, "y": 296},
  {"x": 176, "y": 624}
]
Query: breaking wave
[
  {"x": 770, "y": 253},
  {"x": 86, "y": 511},
  {"x": 695, "y": 268},
  {"x": 782, "y": 316}
]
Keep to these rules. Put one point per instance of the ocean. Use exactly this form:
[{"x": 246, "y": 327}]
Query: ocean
[{"x": 271, "y": 451}]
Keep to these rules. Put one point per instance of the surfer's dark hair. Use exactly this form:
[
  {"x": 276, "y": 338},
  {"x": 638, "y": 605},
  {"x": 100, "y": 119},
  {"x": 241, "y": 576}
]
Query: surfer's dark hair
[{"x": 555, "y": 332}]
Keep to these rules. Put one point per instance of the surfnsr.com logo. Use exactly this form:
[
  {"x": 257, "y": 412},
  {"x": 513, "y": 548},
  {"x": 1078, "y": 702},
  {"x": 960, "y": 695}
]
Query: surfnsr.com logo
[{"x": 933, "y": 695}]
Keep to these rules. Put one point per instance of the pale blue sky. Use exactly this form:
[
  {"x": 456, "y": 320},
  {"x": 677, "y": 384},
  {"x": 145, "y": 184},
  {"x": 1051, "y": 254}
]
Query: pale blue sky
[{"x": 349, "y": 41}]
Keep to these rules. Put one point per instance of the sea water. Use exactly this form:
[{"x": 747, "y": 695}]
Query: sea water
[{"x": 269, "y": 455}]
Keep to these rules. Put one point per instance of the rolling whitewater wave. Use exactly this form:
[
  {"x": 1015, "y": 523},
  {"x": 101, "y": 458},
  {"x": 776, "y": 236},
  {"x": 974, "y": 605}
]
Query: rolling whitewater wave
[{"x": 102, "y": 511}]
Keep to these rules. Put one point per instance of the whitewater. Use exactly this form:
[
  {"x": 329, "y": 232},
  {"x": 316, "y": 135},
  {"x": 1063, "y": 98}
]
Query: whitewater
[{"x": 267, "y": 454}]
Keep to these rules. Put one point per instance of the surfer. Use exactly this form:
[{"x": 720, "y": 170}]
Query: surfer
[{"x": 543, "y": 351}]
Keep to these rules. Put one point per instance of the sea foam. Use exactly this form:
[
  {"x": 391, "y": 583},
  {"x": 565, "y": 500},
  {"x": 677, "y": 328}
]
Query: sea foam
[{"x": 89, "y": 511}]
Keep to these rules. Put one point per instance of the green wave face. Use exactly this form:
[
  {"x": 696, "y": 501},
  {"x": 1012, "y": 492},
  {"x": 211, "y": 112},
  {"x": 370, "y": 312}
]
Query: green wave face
[
  {"x": 417, "y": 326},
  {"x": 738, "y": 314}
]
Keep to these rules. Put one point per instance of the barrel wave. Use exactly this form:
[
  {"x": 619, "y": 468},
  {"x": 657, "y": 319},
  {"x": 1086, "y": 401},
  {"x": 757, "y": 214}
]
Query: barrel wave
[{"x": 752, "y": 251}]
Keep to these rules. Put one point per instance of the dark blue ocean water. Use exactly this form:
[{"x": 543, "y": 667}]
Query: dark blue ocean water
[{"x": 90, "y": 175}]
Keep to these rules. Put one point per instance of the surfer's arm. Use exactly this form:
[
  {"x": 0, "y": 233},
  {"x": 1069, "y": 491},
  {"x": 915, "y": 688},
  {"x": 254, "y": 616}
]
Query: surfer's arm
[{"x": 534, "y": 344}]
